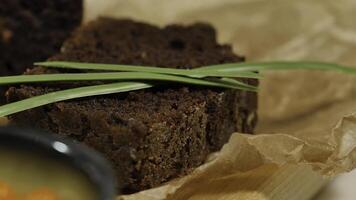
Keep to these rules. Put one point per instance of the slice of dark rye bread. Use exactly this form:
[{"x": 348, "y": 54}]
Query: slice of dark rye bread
[
  {"x": 152, "y": 135},
  {"x": 33, "y": 30}
]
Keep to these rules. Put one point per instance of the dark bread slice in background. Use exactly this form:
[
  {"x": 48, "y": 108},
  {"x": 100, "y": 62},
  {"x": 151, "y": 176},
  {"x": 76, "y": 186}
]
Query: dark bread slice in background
[
  {"x": 33, "y": 30},
  {"x": 154, "y": 135}
]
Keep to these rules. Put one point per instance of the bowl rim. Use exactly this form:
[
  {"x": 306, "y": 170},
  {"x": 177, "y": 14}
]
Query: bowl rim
[{"x": 87, "y": 160}]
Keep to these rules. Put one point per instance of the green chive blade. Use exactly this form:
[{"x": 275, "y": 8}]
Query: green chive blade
[
  {"x": 115, "y": 76},
  {"x": 147, "y": 69},
  {"x": 278, "y": 65},
  {"x": 68, "y": 94},
  {"x": 241, "y": 85}
]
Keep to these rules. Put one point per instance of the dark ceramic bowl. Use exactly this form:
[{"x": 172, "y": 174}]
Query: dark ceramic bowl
[{"x": 96, "y": 168}]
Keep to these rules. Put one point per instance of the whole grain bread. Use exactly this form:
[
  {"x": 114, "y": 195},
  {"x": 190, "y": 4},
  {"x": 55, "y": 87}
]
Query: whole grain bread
[{"x": 154, "y": 135}]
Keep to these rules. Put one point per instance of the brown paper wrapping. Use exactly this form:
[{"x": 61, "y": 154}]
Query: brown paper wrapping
[{"x": 306, "y": 117}]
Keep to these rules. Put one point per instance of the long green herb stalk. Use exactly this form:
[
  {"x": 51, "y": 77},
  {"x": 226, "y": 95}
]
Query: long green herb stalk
[{"x": 129, "y": 78}]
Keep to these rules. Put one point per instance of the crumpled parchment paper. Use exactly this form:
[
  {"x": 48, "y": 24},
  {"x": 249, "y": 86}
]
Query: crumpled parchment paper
[{"x": 306, "y": 117}]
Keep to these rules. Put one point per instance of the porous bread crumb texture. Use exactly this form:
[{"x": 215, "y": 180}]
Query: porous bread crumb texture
[
  {"x": 154, "y": 135},
  {"x": 33, "y": 30}
]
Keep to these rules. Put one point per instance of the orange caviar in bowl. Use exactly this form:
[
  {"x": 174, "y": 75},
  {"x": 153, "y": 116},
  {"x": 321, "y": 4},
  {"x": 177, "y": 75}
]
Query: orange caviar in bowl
[{"x": 7, "y": 193}]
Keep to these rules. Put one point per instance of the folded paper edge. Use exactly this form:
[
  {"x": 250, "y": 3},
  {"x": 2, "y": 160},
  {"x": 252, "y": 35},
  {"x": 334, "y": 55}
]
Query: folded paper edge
[{"x": 247, "y": 152}]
